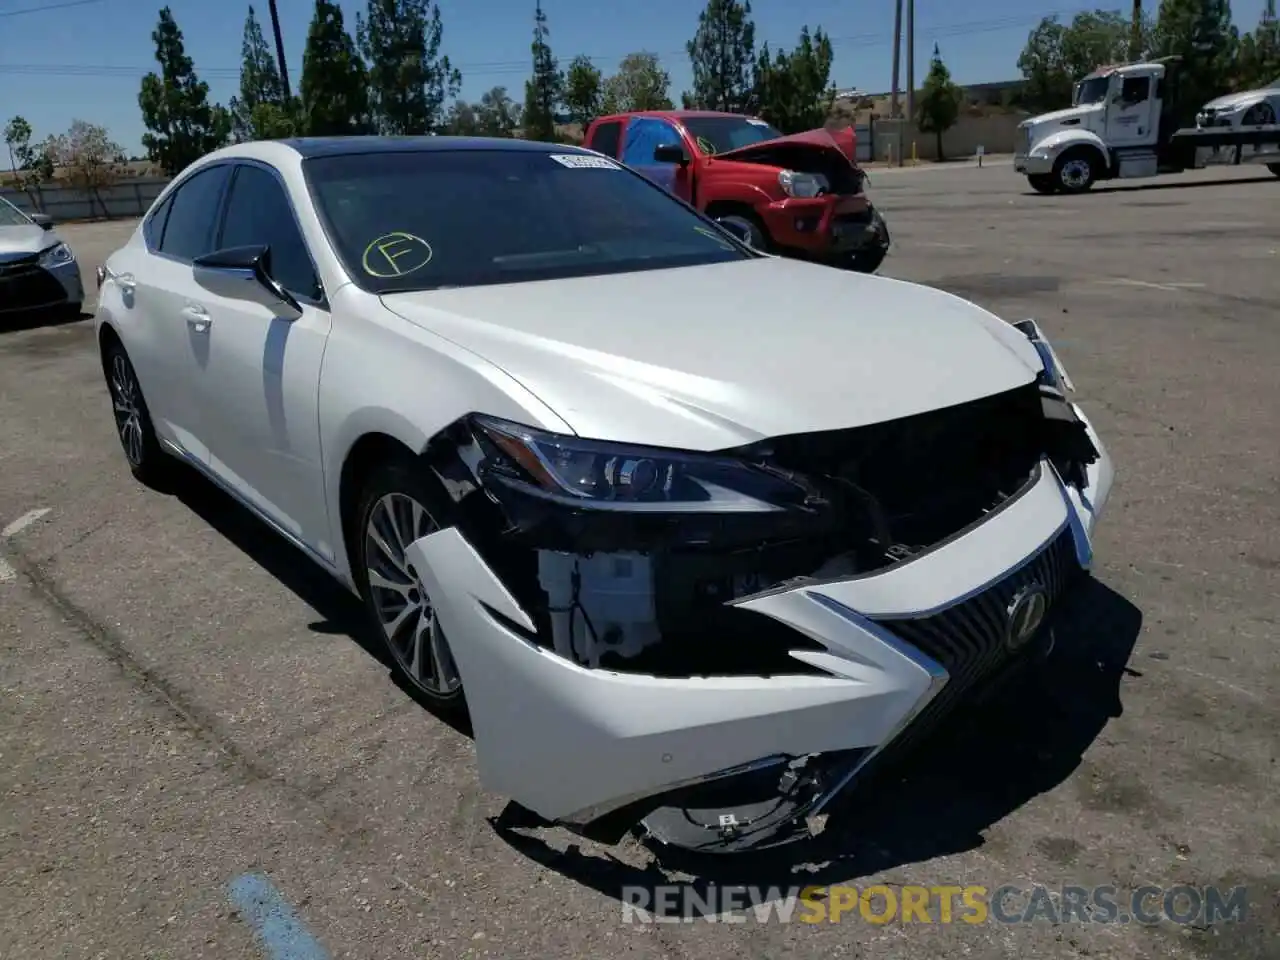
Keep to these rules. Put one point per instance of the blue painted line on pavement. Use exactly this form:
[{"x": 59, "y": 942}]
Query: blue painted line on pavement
[{"x": 264, "y": 908}]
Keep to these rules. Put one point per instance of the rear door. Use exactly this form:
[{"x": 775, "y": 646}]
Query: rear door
[
  {"x": 643, "y": 136},
  {"x": 163, "y": 336}
]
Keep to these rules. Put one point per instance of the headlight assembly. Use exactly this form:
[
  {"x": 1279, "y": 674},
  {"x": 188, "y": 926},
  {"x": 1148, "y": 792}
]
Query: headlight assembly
[
  {"x": 598, "y": 475},
  {"x": 802, "y": 184},
  {"x": 59, "y": 255}
]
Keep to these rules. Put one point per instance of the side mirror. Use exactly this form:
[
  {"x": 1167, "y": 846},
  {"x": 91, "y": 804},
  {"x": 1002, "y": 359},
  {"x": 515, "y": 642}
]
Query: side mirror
[
  {"x": 41, "y": 220},
  {"x": 244, "y": 273},
  {"x": 670, "y": 153}
]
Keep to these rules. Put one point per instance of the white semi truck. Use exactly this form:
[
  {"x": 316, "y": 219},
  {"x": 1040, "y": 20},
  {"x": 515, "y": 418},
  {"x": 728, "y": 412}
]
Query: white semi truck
[{"x": 1123, "y": 123}]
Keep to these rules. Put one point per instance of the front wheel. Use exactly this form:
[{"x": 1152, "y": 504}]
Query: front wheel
[
  {"x": 1042, "y": 182},
  {"x": 398, "y": 506},
  {"x": 1074, "y": 172},
  {"x": 749, "y": 228}
]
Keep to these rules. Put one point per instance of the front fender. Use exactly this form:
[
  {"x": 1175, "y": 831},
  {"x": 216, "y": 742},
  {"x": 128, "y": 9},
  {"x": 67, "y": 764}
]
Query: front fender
[
  {"x": 1061, "y": 141},
  {"x": 383, "y": 374}
]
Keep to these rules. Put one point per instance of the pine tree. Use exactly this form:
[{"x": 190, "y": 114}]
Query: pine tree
[
  {"x": 183, "y": 125},
  {"x": 545, "y": 89},
  {"x": 939, "y": 106},
  {"x": 409, "y": 79},
  {"x": 583, "y": 89},
  {"x": 334, "y": 84},
  {"x": 722, "y": 54},
  {"x": 260, "y": 84}
]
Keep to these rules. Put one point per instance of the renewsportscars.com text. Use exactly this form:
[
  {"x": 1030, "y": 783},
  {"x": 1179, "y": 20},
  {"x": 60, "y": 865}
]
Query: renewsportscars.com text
[{"x": 935, "y": 904}]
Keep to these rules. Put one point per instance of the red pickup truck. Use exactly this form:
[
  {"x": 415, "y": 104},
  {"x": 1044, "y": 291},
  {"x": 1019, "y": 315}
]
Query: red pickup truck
[{"x": 800, "y": 195}]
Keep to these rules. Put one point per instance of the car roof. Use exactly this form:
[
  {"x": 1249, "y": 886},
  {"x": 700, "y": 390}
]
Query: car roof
[
  {"x": 676, "y": 114},
  {"x": 310, "y": 147}
]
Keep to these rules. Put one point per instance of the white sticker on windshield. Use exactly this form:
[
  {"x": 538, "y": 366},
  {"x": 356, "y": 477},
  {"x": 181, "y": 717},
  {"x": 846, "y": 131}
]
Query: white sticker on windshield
[
  {"x": 756, "y": 123},
  {"x": 583, "y": 161}
]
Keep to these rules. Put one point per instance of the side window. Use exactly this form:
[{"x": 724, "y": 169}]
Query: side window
[
  {"x": 193, "y": 212},
  {"x": 1135, "y": 89},
  {"x": 259, "y": 212},
  {"x": 153, "y": 230},
  {"x": 605, "y": 137},
  {"x": 644, "y": 135}
]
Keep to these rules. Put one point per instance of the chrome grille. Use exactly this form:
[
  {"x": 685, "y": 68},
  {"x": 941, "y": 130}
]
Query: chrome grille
[{"x": 968, "y": 639}]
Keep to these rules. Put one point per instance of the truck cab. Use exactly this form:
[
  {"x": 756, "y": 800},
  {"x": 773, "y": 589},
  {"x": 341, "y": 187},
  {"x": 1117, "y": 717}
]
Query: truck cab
[{"x": 1113, "y": 128}]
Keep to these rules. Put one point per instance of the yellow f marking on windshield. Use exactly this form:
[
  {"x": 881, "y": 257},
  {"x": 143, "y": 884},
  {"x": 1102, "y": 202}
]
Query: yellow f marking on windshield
[{"x": 395, "y": 254}]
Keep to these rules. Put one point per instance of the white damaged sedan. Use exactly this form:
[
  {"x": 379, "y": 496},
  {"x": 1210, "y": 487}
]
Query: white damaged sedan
[{"x": 694, "y": 534}]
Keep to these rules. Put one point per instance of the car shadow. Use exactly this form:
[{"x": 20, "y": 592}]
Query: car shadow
[
  {"x": 988, "y": 763},
  {"x": 40, "y": 319},
  {"x": 1099, "y": 191},
  {"x": 339, "y": 612}
]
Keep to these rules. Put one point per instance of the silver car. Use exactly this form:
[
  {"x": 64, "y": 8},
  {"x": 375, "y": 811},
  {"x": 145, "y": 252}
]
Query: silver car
[{"x": 38, "y": 271}]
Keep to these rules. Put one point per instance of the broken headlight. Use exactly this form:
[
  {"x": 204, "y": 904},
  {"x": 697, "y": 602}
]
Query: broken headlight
[
  {"x": 600, "y": 475},
  {"x": 796, "y": 184}
]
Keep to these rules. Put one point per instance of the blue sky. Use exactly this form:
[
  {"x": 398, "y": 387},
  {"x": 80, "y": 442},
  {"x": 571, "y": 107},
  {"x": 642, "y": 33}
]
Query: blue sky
[{"x": 84, "y": 59}]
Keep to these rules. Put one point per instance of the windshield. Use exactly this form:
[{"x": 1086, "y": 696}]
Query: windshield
[
  {"x": 1092, "y": 90},
  {"x": 721, "y": 134},
  {"x": 11, "y": 216},
  {"x": 427, "y": 219}
]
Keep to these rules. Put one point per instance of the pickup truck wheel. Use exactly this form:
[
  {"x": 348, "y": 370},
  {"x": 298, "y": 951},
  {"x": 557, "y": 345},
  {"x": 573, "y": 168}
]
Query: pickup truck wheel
[
  {"x": 1075, "y": 171},
  {"x": 755, "y": 232},
  {"x": 1042, "y": 182}
]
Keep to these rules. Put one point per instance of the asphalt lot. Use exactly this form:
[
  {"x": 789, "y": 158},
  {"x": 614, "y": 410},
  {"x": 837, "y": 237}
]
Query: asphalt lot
[{"x": 182, "y": 703}]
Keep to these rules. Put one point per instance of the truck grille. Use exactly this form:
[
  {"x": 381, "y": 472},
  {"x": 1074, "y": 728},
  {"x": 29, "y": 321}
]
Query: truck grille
[{"x": 968, "y": 639}]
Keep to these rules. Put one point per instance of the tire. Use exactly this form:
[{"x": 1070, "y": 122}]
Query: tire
[
  {"x": 1274, "y": 168},
  {"x": 1076, "y": 171},
  {"x": 147, "y": 459},
  {"x": 750, "y": 223},
  {"x": 868, "y": 260},
  {"x": 393, "y": 592},
  {"x": 1043, "y": 183}
]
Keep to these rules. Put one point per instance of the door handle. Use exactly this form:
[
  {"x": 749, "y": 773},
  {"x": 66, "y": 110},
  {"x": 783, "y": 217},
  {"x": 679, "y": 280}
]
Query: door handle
[
  {"x": 197, "y": 318},
  {"x": 124, "y": 281}
]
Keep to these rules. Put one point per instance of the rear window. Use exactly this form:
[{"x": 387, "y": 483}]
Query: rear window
[
  {"x": 428, "y": 219},
  {"x": 605, "y": 137}
]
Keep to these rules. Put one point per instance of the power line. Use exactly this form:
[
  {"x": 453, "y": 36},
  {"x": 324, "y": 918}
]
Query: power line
[
  {"x": 47, "y": 7},
  {"x": 521, "y": 67}
]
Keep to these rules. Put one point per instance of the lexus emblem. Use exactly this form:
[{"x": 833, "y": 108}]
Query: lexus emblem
[{"x": 1025, "y": 615}]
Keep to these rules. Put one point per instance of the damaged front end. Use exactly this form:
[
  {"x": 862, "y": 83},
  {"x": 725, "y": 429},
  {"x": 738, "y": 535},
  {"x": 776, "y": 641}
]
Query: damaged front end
[{"x": 716, "y": 644}]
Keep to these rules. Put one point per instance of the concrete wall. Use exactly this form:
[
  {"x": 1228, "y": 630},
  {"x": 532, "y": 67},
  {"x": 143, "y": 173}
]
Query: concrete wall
[
  {"x": 996, "y": 133},
  {"x": 134, "y": 196},
  {"x": 128, "y": 198}
]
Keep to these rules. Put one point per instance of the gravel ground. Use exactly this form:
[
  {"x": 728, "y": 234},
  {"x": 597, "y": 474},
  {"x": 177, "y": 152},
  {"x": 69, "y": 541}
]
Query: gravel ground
[{"x": 182, "y": 702}]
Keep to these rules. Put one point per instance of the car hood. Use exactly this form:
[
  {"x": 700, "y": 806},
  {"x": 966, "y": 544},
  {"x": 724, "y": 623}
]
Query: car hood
[
  {"x": 842, "y": 142},
  {"x": 24, "y": 240},
  {"x": 1058, "y": 116},
  {"x": 1234, "y": 100},
  {"x": 705, "y": 358}
]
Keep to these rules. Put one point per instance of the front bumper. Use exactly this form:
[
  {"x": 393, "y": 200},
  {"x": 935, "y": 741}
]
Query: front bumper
[
  {"x": 1033, "y": 166},
  {"x": 877, "y": 659},
  {"x": 26, "y": 286},
  {"x": 825, "y": 226}
]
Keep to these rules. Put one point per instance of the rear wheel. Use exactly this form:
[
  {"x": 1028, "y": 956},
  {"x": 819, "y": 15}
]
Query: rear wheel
[
  {"x": 147, "y": 460},
  {"x": 397, "y": 506},
  {"x": 1076, "y": 170},
  {"x": 1042, "y": 182}
]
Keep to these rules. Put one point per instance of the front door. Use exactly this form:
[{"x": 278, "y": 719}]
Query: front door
[
  {"x": 1131, "y": 114},
  {"x": 643, "y": 136},
  {"x": 261, "y": 370}
]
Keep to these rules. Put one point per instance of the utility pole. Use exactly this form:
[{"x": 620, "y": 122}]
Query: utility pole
[
  {"x": 1135, "y": 32},
  {"x": 284, "y": 70},
  {"x": 897, "y": 56},
  {"x": 911, "y": 66}
]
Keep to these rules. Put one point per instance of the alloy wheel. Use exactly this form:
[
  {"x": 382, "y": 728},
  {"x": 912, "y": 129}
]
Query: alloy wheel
[
  {"x": 748, "y": 228},
  {"x": 409, "y": 624},
  {"x": 126, "y": 405}
]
